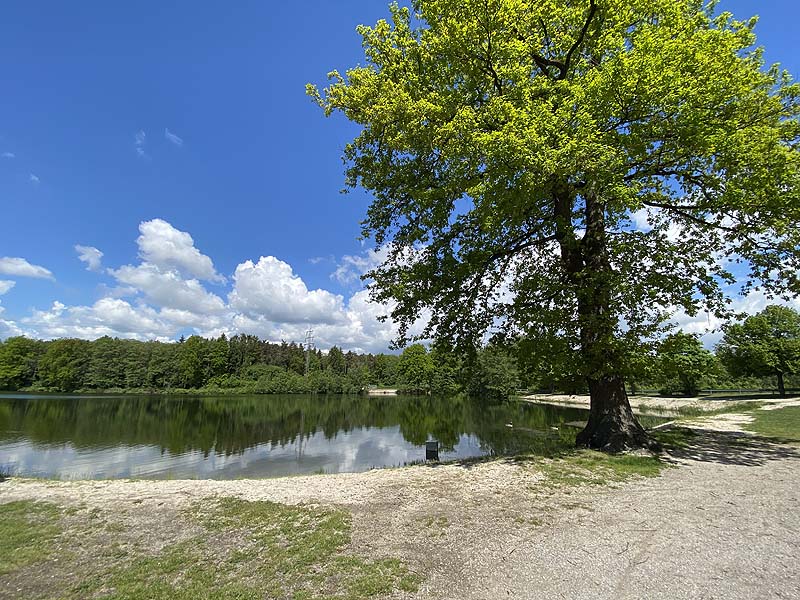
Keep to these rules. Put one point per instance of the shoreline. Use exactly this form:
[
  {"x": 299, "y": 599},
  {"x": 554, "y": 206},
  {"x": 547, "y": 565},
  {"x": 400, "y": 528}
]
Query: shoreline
[
  {"x": 654, "y": 404},
  {"x": 518, "y": 527}
]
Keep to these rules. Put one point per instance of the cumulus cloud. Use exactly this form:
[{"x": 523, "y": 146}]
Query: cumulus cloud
[
  {"x": 107, "y": 316},
  {"x": 163, "y": 245},
  {"x": 6, "y": 285},
  {"x": 709, "y": 327},
  {"x": 270, "y": 289},
  {"x": 352, "y": 267},
  {"x": 171, "y": 137},
  {"x": 169, "y": 289},
  {"x": 22, "y": 268},
  {"x": 90, "y": 255}
]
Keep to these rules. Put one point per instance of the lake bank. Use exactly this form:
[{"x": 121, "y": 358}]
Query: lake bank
[
  {"x": 516, "y": 527},
  {"x": 658, "y": 404}
]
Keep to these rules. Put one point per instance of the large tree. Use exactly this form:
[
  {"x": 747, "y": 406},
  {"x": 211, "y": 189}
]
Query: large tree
[
  {"x": 764, "y": 345},
  {"x": 570, "y": 168}
]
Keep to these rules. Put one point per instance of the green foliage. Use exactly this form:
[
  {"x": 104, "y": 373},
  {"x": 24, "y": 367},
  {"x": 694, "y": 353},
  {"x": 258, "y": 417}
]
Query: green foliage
[
  {"x": 335, "y": 361},
  {"x": 684, "y": 365},
  {"x": 415, "y": 369},
  {"x": 27, "y": 532},
  {"x": 63, "y": 366},
  {"x": 494, "y": 374},
  {"x": 764, "y": 344},
  {"x": 508, "y": 145},
  {"x": 18, "y": 359}
]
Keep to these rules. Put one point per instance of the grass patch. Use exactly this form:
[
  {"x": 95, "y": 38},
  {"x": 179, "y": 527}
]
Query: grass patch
[
  {"x": 255, "y": 550},
  {"x": 588, "y": 467},
  {"x": 783, "y": 423},
  {"x": 674, "y": 437},
  {"x": 27, "y": 532}
]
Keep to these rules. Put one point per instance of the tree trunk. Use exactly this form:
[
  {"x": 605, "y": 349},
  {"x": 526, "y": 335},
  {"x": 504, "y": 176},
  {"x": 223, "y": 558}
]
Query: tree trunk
[
  {"x": 781, "y": 386},
  {"x": 612, "y": 427}
]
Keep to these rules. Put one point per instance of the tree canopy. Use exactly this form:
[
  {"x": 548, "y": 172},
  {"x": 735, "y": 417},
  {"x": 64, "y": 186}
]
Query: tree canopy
[
  {"x": 764, "y": 344},
  {"x": 683, "y": 363},
  {"x": 577, "y": 169}
]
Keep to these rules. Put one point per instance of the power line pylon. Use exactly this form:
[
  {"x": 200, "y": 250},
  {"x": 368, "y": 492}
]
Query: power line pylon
[{"x": 309, "y": 345}]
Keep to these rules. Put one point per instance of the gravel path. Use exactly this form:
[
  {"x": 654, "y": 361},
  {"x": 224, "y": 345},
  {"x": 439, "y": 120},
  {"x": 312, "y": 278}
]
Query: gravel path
[{"x": 721, "y": 526}]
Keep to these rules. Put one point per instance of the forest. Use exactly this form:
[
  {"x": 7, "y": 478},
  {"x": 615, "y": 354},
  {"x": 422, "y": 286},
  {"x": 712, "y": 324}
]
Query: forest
[{"x": 761, "y": 353}]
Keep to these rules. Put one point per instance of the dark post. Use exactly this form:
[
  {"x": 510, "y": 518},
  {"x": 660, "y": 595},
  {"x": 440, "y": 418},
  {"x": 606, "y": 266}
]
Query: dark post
[{"x": 432, "y": 450}]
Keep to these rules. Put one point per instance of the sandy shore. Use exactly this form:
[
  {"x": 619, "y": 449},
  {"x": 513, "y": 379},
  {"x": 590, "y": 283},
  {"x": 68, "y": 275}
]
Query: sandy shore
[{"x": 655, "y": 404}]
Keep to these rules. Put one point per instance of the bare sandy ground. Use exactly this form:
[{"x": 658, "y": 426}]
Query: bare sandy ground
[
  {"x": 657, "y": 403},
  {"x": 724, "y": 524}
]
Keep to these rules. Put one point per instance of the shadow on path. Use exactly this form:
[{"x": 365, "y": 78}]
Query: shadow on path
[{"x": 729, "y": 448}]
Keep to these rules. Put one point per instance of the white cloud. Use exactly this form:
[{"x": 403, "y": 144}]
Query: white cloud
[
  {"x": 315, "y": 260},
  {"x": 6, "y": 285},
  {"x": 8, "y": 155},
  {"x": 169, "y": 136},
  {"x": 709, "y": 327},
  {"x": 90, "y": 255},
  {"x": 22, "y": 268},
  {"x": 139, "y": 143},
  {"x": 108, "y": 316},
  {"x": 271, "y": 290},
  {"x": 169, "y": 289},
  {"x": 169, "y": 248},
  {"x": 34, "y": 179},
  {"x": 352, "y": 267}
]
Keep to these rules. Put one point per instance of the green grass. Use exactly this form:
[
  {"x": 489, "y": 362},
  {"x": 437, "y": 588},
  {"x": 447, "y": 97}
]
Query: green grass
[
  {"x": 674, "y": 437},
  {"x": 695, "y": 411},
  {"x": 255, "y": 550},
  {"x": 27, "y": 532},
  {"x": 782, "y": 423},
  {"x": 588, "y": 467}
]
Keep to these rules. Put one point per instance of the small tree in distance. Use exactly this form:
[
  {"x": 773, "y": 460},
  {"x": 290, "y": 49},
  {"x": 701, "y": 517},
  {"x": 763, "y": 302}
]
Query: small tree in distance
[
  {"x": 682, "y": 359},
  {"x": 766, "y": 344}
]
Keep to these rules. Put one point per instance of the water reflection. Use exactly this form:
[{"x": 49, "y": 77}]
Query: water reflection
[{"x": 258, "y": 436}]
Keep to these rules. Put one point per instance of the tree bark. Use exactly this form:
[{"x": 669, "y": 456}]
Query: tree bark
[
  {"x": 781, "y": 386},
  {"x": 612, "y": 427}
]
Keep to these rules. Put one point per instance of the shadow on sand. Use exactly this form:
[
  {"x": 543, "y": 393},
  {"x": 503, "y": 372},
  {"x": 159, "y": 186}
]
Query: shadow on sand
[{"x": 727, "y": 447}]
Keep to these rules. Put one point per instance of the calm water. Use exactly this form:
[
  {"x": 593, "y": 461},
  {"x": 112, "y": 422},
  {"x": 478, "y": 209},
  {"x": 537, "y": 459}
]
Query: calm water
[{"x": 255, "y": 436}]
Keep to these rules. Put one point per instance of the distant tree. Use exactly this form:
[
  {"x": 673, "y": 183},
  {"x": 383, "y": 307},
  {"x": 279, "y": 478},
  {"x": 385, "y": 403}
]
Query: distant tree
[
  {"x": 335, "y": 361},
  {"x": 766, "y": 344},
  {"x": 384, "y": 369},
  {"x": 19, "y": 357},
  {"x": 683, "y": 363},
  {"x": 415, "y": 369},
  {"x": 192, "y": 357},
  {"x": 446, "y": 375},
  {"x": 62, "y": 368},
  {"x": 495, "y": 373}
]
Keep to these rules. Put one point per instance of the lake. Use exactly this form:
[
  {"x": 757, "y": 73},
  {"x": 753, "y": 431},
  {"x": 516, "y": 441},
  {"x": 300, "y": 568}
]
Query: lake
[{"x": 208, "y": 437}]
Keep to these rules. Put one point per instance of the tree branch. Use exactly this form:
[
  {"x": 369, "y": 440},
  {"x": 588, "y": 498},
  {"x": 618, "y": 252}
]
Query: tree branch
[{"x": 579, "y": 41}]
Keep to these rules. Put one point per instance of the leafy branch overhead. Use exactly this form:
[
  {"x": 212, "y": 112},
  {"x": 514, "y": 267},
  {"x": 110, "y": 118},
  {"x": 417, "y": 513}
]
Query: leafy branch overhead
[{"x": 488, "y": 126}]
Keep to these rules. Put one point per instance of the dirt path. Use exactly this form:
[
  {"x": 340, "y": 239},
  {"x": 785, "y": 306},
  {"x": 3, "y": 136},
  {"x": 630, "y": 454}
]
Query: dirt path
[{"x": 725, "y": 524}]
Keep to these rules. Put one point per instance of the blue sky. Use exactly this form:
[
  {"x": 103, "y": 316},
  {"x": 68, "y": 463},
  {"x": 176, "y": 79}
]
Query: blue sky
[{"x": 185, "y": 126}]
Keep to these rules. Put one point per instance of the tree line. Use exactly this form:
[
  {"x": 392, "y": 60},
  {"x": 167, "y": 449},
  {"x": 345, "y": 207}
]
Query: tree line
[{"x": 762, "y": 351}]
